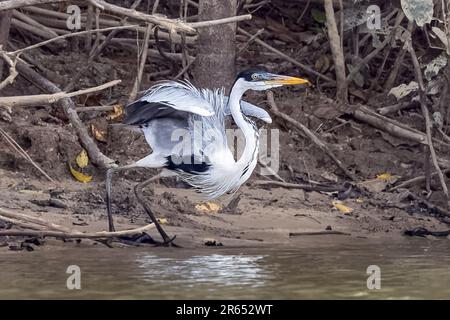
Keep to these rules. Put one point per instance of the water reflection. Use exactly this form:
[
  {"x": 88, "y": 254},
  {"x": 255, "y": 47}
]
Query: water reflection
[{"x": 226, "y": 270}]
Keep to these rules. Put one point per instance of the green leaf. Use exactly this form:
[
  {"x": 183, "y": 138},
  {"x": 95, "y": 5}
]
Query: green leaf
[{"x": 318, "y": 15}]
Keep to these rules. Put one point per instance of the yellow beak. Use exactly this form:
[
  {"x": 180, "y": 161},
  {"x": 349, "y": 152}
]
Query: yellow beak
[{"x": 284, "y": 80}]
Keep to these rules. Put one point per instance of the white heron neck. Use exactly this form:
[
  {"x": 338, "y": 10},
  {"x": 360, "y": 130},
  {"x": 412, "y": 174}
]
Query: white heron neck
[{"x": 249, "y": 132}]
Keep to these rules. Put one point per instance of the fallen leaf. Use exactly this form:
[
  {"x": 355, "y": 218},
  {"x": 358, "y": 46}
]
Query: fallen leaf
[
  {"x": 208, "y": 207},
  {"x": 384, "y": 176},
  {"x": 82, "y": 159},
  {"x": 117, "y": 112},
  {"x": 359, "y": 200},
  {"x": 403, "y": 90},
  {"x": 79, "y": 175},
  {"x": 99, "y": 135},
  {"x": 162, "y": 220},
  {"x": 342, "y": 208}
]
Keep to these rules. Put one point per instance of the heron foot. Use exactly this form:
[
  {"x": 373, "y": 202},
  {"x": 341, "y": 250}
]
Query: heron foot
[{"x": 145, "y": 238}]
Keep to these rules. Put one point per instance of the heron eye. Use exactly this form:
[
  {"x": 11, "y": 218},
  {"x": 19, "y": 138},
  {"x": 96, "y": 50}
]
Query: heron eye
[{"x": 255, "y": 76}]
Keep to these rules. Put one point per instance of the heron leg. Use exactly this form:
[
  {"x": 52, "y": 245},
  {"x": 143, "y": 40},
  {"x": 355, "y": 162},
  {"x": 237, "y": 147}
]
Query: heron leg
[
  {"x": 139, "y": 195},
  {"x": 109, "y": 173}
]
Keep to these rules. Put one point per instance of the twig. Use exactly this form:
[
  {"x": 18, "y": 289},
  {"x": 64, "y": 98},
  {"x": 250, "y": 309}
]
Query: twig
[
  {"x": 307, "y": 187},
  {"x": 95, "y": 108},
  {"x": 426, "y": 115},
  {"x": 285, "y": 56},
  {"x": 309, "y": 134},
  {"x": 203, "y": 24},
  {"x": 23, "y": 153},
  {"x": 184, "y": 70},
  {"x": 40, "y": 99},
  {"x": 318, "y": 233},
  {"x": 12, "y": 69},
  {"x": 415, "y": 180},
  {"x": 137, "y": 82},
  {"x": 64, "y": 36}
]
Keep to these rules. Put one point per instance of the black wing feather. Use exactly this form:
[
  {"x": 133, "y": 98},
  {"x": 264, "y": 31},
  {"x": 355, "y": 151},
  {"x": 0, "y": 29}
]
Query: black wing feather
[{"x": 142, "y": 112}]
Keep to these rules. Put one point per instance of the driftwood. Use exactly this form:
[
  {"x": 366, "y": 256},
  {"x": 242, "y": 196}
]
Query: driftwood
[
  {"x": 54, "y": 230},
  {"x": 67, "y": 235}
]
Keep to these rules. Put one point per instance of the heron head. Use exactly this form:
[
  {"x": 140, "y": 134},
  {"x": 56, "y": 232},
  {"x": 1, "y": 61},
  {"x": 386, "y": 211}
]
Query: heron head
[{"x": 253, "y": 79}]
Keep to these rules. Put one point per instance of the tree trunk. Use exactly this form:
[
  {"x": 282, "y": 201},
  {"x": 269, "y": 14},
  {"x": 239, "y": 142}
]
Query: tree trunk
[
  {"x": 5, "y": 22},
  {"x": 215, "y": 63},
  {"x": 337, "y": 51}
]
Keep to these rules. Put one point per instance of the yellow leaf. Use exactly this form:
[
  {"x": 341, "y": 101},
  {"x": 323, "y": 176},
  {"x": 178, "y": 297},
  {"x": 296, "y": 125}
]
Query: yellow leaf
[
  {"x": 162, "y": 220},
  {"x": 342, "y": 208},
  {"x": 117, "y": 112},
  {"x": 384, "y": 176},
  {"x": 359, "y": 200},
  {"x": 80, "y": 176},
  {"x": 208, "y": 207},
  {"x": 82, "y": 159},
  {"x": 98, "y": 134}
]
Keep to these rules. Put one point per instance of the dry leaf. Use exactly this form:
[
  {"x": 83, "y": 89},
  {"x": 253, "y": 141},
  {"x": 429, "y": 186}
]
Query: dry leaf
[
  {"x": 359, "y": 200},
  {"x": 80, "y": 176},
  {"x": 384, "y": 176},
  {"x": 162, "y": 220},
  {"x": 342, "y": 208},
  {"x": 82, "y": 159},
  {"x": 99, "y": 135},
  {"x": 117, "y": 112},
  {"x": 208, "y": 207}
]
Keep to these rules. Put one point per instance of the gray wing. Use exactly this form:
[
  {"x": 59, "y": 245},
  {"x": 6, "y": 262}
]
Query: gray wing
[
  {"x": 169, "y": 99},
  {"x": 249, "y": 110}
]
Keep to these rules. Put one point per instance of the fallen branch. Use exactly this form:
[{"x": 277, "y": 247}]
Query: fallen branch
[
  {"x": 68, "y": 235},
  {"x": 168, "y": 24},
  {"x": 95, "y": 155},
  {"x": 34, "y": 220},
  {"x": 318, "y": 233},
  {"x": 40, "y": 99},
  {"x": 15, "y": 4},
  {"x": 309, "y": 134},
  {"x": 307, "y": 187}
]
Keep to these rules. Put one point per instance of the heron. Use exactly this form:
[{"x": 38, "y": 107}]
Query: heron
[{"x": 207, "y": 165}]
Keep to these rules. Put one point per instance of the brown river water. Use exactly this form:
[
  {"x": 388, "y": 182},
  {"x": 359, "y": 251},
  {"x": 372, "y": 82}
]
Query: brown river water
[{"x": 312, "y": 268}]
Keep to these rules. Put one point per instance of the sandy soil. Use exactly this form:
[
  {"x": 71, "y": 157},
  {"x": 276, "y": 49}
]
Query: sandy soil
[{"x": 263, "y": 217}]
